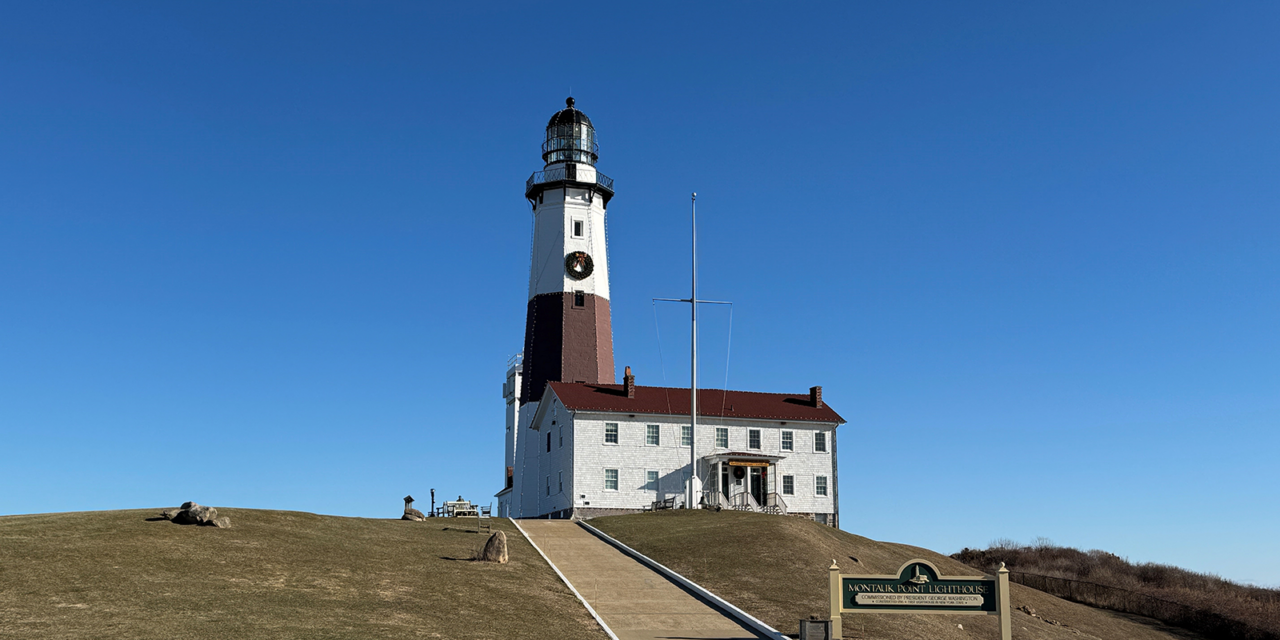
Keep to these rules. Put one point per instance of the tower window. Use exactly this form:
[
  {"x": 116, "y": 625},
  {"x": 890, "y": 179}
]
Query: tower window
[
  {"x": 577, "y": 228},
  {"x": 579, "y": 299}
]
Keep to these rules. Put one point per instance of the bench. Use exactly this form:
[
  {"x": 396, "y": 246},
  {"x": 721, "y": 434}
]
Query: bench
[{"x": 659, "y": 505}]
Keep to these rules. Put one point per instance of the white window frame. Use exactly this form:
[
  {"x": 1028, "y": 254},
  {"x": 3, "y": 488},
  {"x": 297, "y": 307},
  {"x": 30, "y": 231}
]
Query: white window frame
[
  {"x": 573, "y": 222},
  {"x": 820, "y": 486},
  {"x": 754, "y": 433},
  {"x": 606, "y": 479},
  {"x": 819, "y": 437},
  {"x": 651, "y": 485},
  {"x": 615, "y": 432},
  {"x": 788, "y": 485},
  {"x": 788, "y": 441},
  {"x": 653, "y": 435},
  {"x": 686, "y": 435},
  {"x": 725, "y": 432}
]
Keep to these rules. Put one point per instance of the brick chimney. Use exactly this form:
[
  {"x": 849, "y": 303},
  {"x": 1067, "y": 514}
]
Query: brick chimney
[
  {"x": 629, "y": 383},
  {"x": 815, "y": 396}
]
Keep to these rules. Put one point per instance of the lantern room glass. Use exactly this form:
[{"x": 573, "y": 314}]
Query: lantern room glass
[{"x": 573, "y": 142}]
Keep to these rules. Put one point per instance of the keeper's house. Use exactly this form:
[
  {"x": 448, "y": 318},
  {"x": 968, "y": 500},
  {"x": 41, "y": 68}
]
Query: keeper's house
[{"x": 602, "y": 449}]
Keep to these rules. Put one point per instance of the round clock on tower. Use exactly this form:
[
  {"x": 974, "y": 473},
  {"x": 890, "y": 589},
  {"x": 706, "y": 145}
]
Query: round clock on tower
[{"x": 568, "y": 334}]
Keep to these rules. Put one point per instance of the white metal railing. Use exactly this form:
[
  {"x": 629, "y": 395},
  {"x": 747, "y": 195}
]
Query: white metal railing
[{"x": 775, "y": 504}]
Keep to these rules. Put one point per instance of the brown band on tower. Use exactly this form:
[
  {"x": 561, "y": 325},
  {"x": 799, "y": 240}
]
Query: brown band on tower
[{"x": 568, "y": 337}]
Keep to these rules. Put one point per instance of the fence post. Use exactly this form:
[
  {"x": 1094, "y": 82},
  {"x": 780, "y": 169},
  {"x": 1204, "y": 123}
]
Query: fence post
[
  {"x": 1002, "y": 603},
  {"x": 837, "y": 628}
]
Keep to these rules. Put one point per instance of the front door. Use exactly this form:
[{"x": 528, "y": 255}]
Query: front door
[{"x": 757, "y": 484}]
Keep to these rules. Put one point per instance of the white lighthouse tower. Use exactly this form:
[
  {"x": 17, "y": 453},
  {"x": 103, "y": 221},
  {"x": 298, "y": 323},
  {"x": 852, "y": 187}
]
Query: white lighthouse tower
[{"x": 568, "y": 332}]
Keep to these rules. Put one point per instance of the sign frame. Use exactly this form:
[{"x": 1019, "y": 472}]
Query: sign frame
[{"x": 1000, "y": 582}]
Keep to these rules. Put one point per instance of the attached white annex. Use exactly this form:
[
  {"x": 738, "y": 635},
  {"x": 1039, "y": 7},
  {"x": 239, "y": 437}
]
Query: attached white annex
[{"x": 578, "y": 445}]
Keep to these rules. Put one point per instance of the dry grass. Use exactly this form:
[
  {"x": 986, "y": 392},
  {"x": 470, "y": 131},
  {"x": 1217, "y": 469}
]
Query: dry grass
[
  {"x": 775, "y": 568},
  {"x": 1218, "y": 607},
  {"x": 275, "y": 574}
]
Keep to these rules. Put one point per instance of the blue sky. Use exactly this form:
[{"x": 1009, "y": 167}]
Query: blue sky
[{"x": 275, "y": 255}]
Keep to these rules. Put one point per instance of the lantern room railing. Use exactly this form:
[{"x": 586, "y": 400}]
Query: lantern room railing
[{"x": 566, "y": 173}]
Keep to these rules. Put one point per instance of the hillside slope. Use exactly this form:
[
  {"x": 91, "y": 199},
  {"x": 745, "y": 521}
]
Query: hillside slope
[
  {"x": 775, "y": 568},
  {"x": 276, "y": 574}
]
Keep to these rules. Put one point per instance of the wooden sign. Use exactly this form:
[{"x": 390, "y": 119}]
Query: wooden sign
[{"x": 918, "y": 587}]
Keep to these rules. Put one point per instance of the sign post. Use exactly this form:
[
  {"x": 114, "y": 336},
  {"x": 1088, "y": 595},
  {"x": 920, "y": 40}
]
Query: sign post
[{"x": 918, "y": 587}]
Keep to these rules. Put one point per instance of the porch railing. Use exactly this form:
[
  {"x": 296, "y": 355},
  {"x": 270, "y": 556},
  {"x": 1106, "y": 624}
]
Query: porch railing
[{"x": 775, "y": 504}]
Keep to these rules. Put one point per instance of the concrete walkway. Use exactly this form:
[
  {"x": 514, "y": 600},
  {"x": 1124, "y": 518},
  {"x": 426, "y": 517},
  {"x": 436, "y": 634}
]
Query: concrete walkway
[{"x": 635, "y": 601}]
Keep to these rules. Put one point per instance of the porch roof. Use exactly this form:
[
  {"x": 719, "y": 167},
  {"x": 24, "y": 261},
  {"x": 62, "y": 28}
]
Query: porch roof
[{"x": 721, "y": 456}]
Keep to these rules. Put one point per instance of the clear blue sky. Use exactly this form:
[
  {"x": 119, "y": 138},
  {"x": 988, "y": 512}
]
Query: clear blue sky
[{"x": 275, "y": 255}]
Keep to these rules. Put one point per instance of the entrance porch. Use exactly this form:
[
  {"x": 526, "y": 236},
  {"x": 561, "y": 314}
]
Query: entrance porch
[{"x": 742, "y": 482}]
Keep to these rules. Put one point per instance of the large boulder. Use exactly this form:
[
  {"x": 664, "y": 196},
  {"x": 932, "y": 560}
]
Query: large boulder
[
  {"x": 495, "y": 549},
  {"x": 222, "y": 523},
  {"x": 192, "y": 513},
  {"x": 413, "y": 514}
]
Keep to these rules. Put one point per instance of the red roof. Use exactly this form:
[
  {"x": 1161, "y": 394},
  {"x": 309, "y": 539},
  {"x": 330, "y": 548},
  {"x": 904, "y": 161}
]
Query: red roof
[{"x": 581, "y": 396}]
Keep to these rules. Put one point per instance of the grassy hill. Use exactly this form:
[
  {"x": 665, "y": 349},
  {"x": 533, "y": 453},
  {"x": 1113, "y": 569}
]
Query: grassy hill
[
  {"x": 776, "y": 569},
  {"x": 276, "y": 574}
]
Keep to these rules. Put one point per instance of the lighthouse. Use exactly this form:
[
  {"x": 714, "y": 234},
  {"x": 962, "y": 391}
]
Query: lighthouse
[
  {"x": 568, "y": 336},
  {"x": 578, "y": 445}
]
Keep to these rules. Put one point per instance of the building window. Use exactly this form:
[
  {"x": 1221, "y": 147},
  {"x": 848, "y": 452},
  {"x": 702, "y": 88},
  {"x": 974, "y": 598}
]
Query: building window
[
  {"x": 820, "y": 441},
  {"x": 753, "y": 438},
  {"x": 788, "y": 441},
  {"x": 722, "y": 437},
  {"x": 788, "y": 485},
  {"x": 561, "y": 481},
  {"x": 651, "y": 481},
  {"x": 611, "y": 433},
  {"x": 579, "y": 299},
  {"x": 548, "y": 441},
  {"x": 548, "y": 485},
  {"x": 610, "y": 479},
  {"x": 577, "y": 228},
  {"x": 820, "y": 485},
  {"x": 686, "y": 435},
  {"x": 561, "y": 436},
  {"x": 651, "y": 436}
]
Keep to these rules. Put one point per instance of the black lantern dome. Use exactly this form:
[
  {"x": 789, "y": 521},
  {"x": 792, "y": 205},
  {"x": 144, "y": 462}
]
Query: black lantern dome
[{"x": 570, "y": 137}]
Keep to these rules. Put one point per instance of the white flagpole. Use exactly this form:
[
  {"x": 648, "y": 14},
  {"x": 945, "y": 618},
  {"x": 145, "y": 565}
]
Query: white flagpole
[{"x": 690, "y": 502}]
